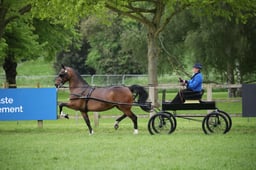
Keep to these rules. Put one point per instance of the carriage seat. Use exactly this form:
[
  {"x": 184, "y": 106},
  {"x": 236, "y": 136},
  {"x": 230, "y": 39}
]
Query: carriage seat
[{"x": 194, "y": 95}]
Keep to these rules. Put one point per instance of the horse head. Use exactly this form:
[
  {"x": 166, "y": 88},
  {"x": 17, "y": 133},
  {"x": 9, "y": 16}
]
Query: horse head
[{"x": 63, "y": 76}]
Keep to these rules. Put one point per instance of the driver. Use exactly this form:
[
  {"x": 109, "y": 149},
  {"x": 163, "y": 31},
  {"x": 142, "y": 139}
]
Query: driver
[{"x": 193, "y": 86}]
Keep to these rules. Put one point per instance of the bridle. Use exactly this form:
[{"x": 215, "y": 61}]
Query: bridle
[{"x": 62, "y": 76}]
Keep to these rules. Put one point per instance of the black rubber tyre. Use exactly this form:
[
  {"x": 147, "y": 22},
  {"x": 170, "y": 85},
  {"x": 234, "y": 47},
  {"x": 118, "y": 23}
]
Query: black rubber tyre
[
  {"x": 173, "y": 120},
  {"x": 161, "y": 123},
  {"x": 215, "y": 123},
  {"x": 228, "y": 119},
  {"x": 150, "y": 126}
]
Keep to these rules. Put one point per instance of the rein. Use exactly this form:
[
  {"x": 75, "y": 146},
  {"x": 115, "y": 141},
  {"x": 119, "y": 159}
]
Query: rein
[{"x": 111, "y": 102}]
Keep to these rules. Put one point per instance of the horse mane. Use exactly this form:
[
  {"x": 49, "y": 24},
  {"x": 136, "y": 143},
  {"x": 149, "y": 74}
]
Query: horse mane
[{"x": 79, "y": 76}]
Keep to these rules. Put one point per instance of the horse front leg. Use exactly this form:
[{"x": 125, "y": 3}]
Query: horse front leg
[
  {"x": 87, "y": 121},
  {"x": 61, "y": 105}
]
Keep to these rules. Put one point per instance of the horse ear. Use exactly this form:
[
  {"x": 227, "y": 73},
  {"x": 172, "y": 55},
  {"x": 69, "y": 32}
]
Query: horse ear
[{"x": 62, "y": 65}]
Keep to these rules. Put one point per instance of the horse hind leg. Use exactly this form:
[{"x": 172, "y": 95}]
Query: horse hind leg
[
  {"x": 133, "y": 117},
  {"x": 87, "y": 121},
  {"x": 118, "y": 120},
  {"x": 135, "y": 123}
]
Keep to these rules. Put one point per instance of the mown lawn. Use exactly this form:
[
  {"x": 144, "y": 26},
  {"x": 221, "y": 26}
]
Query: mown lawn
[{"x": 65, "y": 144}]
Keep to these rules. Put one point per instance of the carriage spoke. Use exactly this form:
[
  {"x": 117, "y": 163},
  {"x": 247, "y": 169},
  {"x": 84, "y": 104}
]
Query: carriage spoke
[{"x": 161, "y": 123}]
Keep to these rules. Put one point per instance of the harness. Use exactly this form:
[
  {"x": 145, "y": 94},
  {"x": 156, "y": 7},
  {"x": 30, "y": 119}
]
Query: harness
[{"x": 87, "y": 97}]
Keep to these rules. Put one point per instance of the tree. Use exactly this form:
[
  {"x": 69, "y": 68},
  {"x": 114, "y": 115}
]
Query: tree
[
  {"x": 224, "y": 46},
  {"x": 75, "y": 57},
  {"x": 23, "y": 37},
  {"x": 155, "y": 15},
  {"x": 174, "y": 55},
  {"x": 11, "y": 10},
  {"x": 247, "y": 61},
  {"x": 8, "y": 14},
  {"x": 20, "y": 42},
  {"x": 115, "y": 48}
]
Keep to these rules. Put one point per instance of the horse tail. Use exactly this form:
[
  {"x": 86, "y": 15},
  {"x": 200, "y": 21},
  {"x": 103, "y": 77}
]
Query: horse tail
[{"x": 143, "y": 96}]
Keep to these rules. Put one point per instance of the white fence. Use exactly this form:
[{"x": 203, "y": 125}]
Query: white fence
[{"x": 93, "y": 80}]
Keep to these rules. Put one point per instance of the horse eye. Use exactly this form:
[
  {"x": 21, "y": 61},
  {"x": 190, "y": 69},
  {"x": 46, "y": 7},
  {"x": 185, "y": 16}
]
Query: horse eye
[{"x": 61, "y": 75}]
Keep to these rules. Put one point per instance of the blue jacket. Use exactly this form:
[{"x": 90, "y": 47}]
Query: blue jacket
[{"x": 195, "y": 83}]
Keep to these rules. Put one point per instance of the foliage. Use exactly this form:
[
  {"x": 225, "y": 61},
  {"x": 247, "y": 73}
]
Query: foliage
[
  {"x": 174, "y": 54},
  {"x": 21, "y": 40},
  {"x": 54, "y": 37},
  {"x": 27, "y": 36},
  {"x": 110, "y": 51},
  {"x": 3, "y": 47},
  {"x": 223, "y": 46},
  {"x": 247, "y": 61},
  {"x": 75, "y": 57},
  {"x": 24, "y": 37},
  {"x": 68, "y": 13},
  {"x": 60, "y": 17}
]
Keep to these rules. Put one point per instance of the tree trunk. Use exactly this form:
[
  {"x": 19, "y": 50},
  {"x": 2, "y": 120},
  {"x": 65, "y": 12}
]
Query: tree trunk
[
  {"x": 153, "y": 53},
  {"x": 9, "y": 67},
  {"x": 231, "y": 80}
]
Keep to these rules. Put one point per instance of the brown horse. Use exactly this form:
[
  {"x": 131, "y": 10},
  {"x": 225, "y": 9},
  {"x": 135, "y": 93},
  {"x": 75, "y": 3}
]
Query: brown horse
[{"x": 85, "y": 98}]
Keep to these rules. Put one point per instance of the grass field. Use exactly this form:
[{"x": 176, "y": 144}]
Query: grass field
[{"x": 65, "y": 144}]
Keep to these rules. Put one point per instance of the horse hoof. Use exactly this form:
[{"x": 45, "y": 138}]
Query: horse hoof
[
  {"x": 136, "y": 132},
  {"x": 116, "y": 126},
  {"x": 62, "y": 114},
  {"x": 91, "y": 133},
  {"x": 66, "y": 116}
]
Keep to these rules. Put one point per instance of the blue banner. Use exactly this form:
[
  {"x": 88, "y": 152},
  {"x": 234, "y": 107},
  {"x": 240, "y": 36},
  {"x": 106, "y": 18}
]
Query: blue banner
[{"x": 28, "y": 104}]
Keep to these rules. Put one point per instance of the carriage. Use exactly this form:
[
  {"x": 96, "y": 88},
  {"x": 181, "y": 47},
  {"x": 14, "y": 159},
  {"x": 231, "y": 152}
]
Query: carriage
[
  {"x": 164, "y": 120},
  {"x": 85, "y": 98}
]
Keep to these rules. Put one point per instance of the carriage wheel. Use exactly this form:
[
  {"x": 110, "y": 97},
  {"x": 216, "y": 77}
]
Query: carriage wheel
[
  {"x": 215, "y": 123},
  {"x": 173, "y": 120},
  {"x": 161, "y": 123},
  {"x": 228, "y": 119},
  {"x": 150, "y": 125}
]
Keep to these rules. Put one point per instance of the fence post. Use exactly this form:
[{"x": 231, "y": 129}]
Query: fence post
[
  {"x": 209, "y": 95},
  {"x": 96, "y": 119},
  {"x": 123, "y": 77},
  {"x": 39, "y": 122},
  {"x": 209, "y": 92},
  {"x": 5, "y": 85}
]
